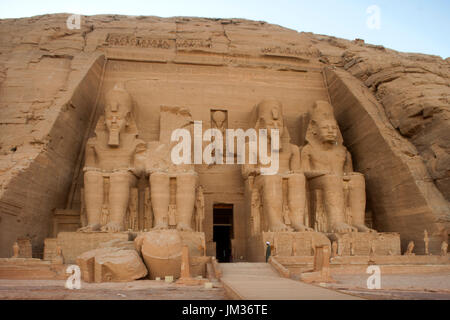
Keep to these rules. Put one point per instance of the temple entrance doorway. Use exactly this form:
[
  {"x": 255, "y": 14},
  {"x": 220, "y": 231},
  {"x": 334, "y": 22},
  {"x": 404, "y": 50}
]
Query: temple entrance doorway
[{"x": 223, "y": 231}]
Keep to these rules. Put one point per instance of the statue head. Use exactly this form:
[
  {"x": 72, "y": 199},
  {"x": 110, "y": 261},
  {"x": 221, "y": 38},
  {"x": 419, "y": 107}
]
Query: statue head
[
  {"x": 118, "y": 106},
  {"x": 323, "y": 126},
  {"x": 270, "y": 116},
  {"x": 327, "y": 130},
  {"x": 219, "y": 118}
]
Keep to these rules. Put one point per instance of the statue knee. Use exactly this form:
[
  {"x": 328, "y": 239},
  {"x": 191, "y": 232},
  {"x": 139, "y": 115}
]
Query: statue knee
[
  {"x": 270, "y": 180},
  {"x": 158, "y": 177},
  {"x": 120, "y": 177},
  {"x": 92, "y": 177},
  {"x": 297, "y": 178},
  {"x": 332, "y": 182},
  {"x": 187, "y": 178},
  {"x": 357, "y": 180}
]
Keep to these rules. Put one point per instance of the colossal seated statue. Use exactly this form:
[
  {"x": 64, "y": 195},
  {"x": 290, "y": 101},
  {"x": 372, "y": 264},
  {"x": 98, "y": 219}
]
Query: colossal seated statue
[
  {"x": 172, "y": 186},
  {"x": 328, "y": 166},
  {"x": 113, "y": 161},
  {"x": 283, "y": 210}
]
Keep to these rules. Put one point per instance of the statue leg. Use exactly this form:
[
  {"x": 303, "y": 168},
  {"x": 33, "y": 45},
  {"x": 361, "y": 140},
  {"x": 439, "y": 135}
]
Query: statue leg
[
  {"x": 357, "y": 201},
  {"x": 297, "y": 201},
  {"x": 185, "y": 200},
  {"x": 119, "y": 194},
  {"x": 93, "y": 195},
  {"x": 273, "y": 202},
  {"x": 334, "y": 202},
  {"x": 160, "y": 197}
]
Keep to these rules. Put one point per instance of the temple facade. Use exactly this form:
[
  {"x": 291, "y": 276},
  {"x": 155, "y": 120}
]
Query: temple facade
[{"x": 103, "y": 170}]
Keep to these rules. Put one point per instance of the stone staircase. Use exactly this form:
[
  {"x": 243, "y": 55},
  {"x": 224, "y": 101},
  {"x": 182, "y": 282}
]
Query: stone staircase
[{"x": 259, "y": 281}]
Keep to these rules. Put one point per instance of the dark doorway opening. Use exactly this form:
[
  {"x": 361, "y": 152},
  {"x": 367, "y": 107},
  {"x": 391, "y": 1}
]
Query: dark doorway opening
[{"x": 223, "y": 231}]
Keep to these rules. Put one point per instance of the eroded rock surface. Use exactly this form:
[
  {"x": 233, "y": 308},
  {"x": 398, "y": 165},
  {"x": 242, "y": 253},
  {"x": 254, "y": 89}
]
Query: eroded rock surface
[
  {"x": 50, "y": 79},
  {"x": 111, "y": 264}
]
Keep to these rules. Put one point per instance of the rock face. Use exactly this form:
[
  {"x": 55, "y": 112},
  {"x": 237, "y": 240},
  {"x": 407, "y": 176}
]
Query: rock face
[
  {"x": 393, "y": 110},
  {"x": 413, "y": 90}
]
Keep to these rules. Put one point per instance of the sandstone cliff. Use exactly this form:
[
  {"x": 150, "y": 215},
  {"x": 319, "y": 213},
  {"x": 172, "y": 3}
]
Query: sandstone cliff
[{"x": 50, "y": 78}]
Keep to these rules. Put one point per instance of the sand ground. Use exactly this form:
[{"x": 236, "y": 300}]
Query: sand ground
[
  {"x": 393, "y": 286},
  {"x": 136, "y": 290},
  {"x": 396, "y": 286}
]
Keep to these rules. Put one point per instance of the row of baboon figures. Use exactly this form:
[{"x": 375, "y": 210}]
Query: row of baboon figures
[{"x": 117, "y": 156}]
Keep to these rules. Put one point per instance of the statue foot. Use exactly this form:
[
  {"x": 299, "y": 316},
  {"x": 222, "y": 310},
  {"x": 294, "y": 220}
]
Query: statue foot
[
  {"x": 183, "y": 227},
  {"x": 302, "y": 227},
  {"x": 90, "y": 228},
  {"x": 112, "y": 227},
  {"x": 281, "y": 227},
  {"x": 363, "y": 228},
  {"x": 161, "y": 226},
  {"x": 342, "y": 227}
]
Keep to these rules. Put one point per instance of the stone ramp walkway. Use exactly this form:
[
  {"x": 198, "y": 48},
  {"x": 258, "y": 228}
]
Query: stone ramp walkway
[{"x": 258, "y": 281}]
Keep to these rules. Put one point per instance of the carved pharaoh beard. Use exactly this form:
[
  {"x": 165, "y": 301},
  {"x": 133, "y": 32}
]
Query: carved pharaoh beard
[
  {"x": 114, "y": 134},
  {"x": 115, "y": 125}
]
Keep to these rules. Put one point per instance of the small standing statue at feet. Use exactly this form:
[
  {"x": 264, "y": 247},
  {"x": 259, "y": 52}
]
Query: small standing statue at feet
[
  {"x": 444, "y": 248},
  {"x": 199, "y": 209},
  {"x": 426, "y": 240},
  {"x": 328, "y": 166},
  {"x": 334, "y": 249},
  {"x": 409, "y": 249},
  {"x": 16, "y": 250},
  {"x": 372, "y": 248}
]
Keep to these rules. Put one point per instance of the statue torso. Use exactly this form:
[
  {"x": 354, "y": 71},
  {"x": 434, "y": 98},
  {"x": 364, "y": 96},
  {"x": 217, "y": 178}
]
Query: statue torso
[
  {"x": 330, "y": 160},
  {"x": 114, "y": 158}
]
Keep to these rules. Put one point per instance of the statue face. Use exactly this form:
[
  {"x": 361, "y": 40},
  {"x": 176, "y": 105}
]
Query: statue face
[
  {"x": 116, "y": 113},
  {"x": 328, "y": 131},
  {"x": 219, "y": 118},
  {"x": 272, "y": 120}
]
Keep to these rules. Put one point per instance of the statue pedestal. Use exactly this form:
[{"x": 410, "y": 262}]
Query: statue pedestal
[
  {"x": 73, "y": 244},
  {"x": 361, "y": 243},
  {"x": 285, "y": 244}
]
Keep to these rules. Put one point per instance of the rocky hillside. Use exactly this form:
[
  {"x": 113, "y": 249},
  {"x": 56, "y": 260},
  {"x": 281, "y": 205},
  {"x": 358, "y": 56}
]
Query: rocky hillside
[
  {"x": 42, "y": 62},
  {"x": 413, "y": 88}
]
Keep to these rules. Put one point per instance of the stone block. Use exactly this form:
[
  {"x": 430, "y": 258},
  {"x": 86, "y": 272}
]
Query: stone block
[
  {"x": 74, "y": 244},
  {"x": 25, "y": 249},
  {"x": 286, "y": 244},
  {"x": 366, "y": 243},
  {"x": 111, "y": 264},
  {"x": 50, "y": 249}
]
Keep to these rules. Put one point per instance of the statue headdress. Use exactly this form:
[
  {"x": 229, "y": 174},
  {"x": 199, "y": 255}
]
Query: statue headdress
[
  {"x": 266, "y": 107},
  {"x": 118, "y": 92},
  {"x": 322, "y": 110}
]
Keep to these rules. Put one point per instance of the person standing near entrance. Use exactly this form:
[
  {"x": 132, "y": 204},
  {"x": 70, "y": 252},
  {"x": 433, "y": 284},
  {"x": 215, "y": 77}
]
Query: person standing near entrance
[{"x": 267, "y": 251}]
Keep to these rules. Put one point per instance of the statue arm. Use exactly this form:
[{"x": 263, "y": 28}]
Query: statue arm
[
  {"x": 248, "y": 169},
  {"x": 305, "y": 160},
  {"x": 89, "y": 155},
  {"x": 348, "y": 165},
  {"x": 139, "y": 158},
  {"x": 294, "y": 164}
]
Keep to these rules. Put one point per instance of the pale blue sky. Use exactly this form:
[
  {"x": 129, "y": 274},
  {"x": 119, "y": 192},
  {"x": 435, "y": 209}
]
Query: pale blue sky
[{"x": 406, "y": 25}]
